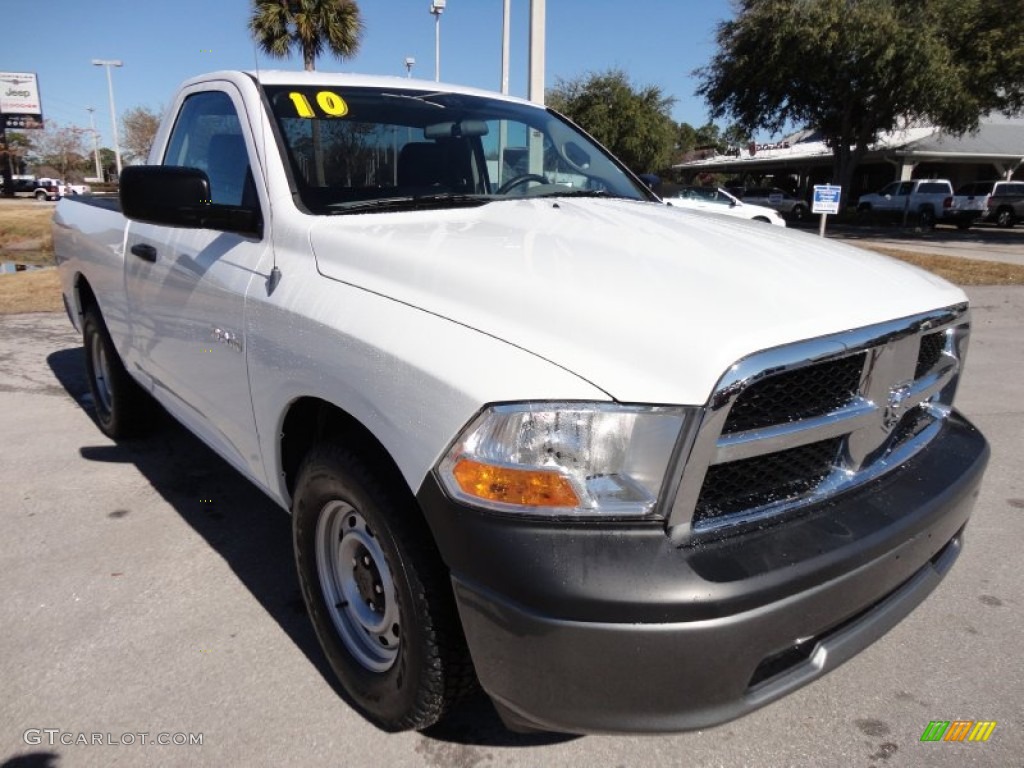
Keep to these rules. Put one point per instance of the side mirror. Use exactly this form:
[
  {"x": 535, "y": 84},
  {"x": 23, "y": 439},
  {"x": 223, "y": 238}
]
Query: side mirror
[{"x": 180, "y": 197}]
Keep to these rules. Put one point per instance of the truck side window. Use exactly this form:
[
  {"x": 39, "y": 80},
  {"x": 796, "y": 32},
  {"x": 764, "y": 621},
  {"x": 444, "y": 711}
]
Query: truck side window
[{"x": 208, "y": 135}]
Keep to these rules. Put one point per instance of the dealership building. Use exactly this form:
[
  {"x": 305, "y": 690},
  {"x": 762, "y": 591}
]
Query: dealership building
[{"x": 995, "y": 151}]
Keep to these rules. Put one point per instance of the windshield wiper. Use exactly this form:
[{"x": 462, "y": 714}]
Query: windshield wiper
[
  {"x": 581, "y": 193},
  {"x": 411, "y": 203}
]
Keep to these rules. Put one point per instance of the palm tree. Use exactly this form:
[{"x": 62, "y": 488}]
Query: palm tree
[
  {"x": 311, "y": 25},
  {"x": 279, "y": 25}
]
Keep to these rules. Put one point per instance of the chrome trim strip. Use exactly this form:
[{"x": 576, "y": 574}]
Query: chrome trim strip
[
  {"x": 793, "y": 434},
  {"x": 888, "y": 391}
]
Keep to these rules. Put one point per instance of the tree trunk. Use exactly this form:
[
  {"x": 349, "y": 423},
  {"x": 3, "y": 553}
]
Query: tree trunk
[
  {"x": 845, "y": 160},
  {"x": 309, "y": 59}
]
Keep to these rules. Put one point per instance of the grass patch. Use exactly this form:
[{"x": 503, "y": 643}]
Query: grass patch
[
  {"x": 957, "y": 270},
  {"x": 26, "y": 223},
  {"x": 35, "y": 291}
]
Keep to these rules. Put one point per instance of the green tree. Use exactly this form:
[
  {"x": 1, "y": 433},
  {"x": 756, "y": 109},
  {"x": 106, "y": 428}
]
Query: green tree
[
  {"x": 138, "y": 128},
  {"x": 856, "y": 68},
  {"x": 14, "y": 148},
  {"x": 634, "y": 123},
  {"x": 108, "y": 162},
  {"x": 309, "y": 25}
]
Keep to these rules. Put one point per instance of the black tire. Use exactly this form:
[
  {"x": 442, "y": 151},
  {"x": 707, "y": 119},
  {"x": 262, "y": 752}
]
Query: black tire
[
  {"x": 40, "y": 195},
  {"x": 122, "y": 408},
  {"x": 926, "y": 218},
  {"x": 377, "y": 592},
  {"x": 1005, "y": 218},
  {"x": 799, "y": 212}
]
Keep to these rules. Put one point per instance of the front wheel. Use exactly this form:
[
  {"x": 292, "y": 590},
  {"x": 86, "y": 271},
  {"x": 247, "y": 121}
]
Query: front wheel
[
  {"x": 123, "y": 409},
  {"x": 377, "y": 592},
  {"x": 799, "y": 212}
]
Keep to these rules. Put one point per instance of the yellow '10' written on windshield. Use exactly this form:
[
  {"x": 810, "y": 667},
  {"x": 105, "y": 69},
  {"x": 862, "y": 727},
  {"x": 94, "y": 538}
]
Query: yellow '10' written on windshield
[{"x": 330, "y": 103}]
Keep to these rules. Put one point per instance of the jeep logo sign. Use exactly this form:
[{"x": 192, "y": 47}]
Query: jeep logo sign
[{"x": 19, "y": 95}]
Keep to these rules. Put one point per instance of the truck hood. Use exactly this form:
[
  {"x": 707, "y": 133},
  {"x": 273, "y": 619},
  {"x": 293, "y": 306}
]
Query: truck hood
[{"x": 652, "y": 304}]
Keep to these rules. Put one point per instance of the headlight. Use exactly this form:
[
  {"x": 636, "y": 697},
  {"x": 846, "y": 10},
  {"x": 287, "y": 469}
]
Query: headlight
[{"x": 565, "y": 459}]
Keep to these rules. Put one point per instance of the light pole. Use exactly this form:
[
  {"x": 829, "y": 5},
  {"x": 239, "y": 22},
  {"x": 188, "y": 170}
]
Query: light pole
[
  {"x": 95, "y": 143},
  {"x": 108, "y": 63},
  {"x": 437, "y": 8},
  {"x": 409, "y": 62},
  {"x": 505, "y": 32}
]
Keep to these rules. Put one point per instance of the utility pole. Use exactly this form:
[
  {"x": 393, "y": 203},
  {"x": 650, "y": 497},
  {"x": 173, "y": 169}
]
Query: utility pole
[
  {"x": 409, "y": 63},
  {"x": 108, "y": 63},
  {"x": 95, "y": 143}
]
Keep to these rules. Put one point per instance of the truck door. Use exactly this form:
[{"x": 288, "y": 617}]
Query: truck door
[{"x": 187, "y": 288}]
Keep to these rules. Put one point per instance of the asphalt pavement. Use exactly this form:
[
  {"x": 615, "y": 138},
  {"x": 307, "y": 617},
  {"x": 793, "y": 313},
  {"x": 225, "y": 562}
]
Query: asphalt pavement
[{"x": 148, "y": 595}]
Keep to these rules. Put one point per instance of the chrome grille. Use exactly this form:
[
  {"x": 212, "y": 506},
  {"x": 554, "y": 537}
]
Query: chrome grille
[
  {"x": 796, "y": 424},
  {"x": 799, "y": 394}
]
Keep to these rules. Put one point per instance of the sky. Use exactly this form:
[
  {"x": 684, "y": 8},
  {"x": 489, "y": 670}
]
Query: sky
[{"x": 163, "y": 42}]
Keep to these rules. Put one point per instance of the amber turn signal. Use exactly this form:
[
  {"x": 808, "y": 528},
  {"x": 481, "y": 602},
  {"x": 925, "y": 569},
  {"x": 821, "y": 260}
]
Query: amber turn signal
[{"x": 525, "y": 487}]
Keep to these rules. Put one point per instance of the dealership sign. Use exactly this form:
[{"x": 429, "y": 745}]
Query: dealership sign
[{"x": 20, "y": 106}]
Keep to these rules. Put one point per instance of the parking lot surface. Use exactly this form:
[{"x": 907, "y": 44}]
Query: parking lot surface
[{"x": 148, "y": 589}]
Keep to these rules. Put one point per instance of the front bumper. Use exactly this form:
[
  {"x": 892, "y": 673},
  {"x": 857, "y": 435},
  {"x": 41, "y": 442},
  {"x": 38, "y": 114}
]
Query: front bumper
[{"x": 609, "y": 628}]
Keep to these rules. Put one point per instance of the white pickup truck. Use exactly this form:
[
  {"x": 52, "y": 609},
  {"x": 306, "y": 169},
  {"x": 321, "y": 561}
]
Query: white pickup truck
[
  {"x": 625, "y": 467},
  {"x": 923, "y": 200}
]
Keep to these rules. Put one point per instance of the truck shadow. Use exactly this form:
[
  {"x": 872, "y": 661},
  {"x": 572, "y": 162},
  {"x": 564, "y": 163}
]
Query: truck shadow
[{"x": 253, "y": 536}]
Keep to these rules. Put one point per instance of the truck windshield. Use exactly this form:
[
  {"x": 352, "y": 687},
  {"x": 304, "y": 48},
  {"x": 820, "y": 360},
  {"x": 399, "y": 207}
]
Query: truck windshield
[{"x": 373, "y": 149}]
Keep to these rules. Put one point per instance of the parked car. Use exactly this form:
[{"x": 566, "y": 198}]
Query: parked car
[
  {"x": 717, "y": 200},
  {"x": 1006, "y": 204},
  {"x": 627, "y": 468},
  {"x": 776, "y": 198},
  {"x": 40, "y": 189},
  {"x": 973, "y": 202},
  {"x": 925, "y": 200},
  {"x": 65, "y": 188}
]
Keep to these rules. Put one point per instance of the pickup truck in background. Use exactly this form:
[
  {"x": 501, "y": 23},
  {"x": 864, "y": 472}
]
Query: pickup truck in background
[
  {"x": 1001, "y": 202},
  {"x": 923, "y": 200},
  {"x": 625, "y": 467}
]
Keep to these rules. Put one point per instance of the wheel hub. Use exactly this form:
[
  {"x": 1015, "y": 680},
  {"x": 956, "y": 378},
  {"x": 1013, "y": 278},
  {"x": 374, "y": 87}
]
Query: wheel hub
[{"x": 357, "y": 586}]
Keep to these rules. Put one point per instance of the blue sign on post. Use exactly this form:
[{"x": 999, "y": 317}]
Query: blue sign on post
[{"x": 826, "y": 198}]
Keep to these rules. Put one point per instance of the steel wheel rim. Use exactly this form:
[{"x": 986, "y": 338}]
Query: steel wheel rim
[
  {"x": 101, "y": 375},
  {"x": 357, "y": 585}
]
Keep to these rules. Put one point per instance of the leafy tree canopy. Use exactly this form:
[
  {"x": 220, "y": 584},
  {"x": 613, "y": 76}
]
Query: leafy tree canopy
[
  {"x": 633, "y": 122},
  {"x": 309, "y": 25},
  {"x": 856, "y": 68}
]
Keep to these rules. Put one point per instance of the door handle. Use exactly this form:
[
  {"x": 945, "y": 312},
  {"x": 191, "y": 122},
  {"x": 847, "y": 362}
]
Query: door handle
[{"x": 144, "y": 251}]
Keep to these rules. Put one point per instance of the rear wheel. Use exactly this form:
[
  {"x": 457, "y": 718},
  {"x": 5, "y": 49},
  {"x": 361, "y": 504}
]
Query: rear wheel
[
  {"x": 40, "y": 195},
  {"x": 377, "y": 592},
  {"x": 926, "y": 218},
  {"x": 122, "y": 408},
  {"x": 1005, "y": 218}
]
